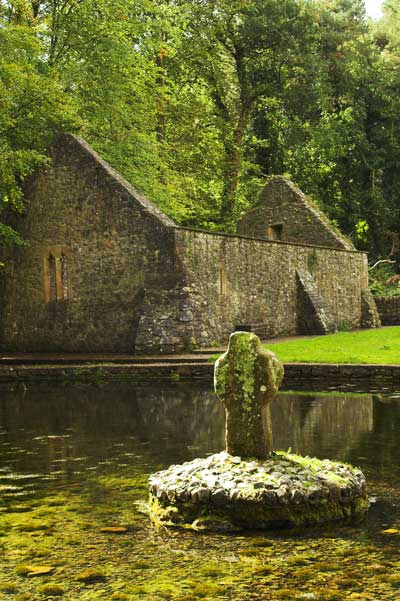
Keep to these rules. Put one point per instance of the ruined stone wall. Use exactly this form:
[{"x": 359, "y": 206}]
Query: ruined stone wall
[
  {"x": 105, "y": 270},
  {"x": 235, "y": 280},
  {"x": 285, "y": 207},
  {"x": 95, "y": 248},
  {"x": 388, "y": 309}
]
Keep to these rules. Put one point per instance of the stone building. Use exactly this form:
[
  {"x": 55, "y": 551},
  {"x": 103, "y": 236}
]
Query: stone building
[
  {"x": 285, "y": 213},
  {"x": 106, "y": 270}
]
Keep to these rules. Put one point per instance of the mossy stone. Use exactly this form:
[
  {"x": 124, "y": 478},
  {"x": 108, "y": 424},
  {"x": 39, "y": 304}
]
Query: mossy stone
[
  {"x": 246, "y": 378},
  {"x": 223, "y": 493},
  {"x": 51, "y": 590},
  {"x": 91, "y": 575},
  {"x": 249, "y": 515}
]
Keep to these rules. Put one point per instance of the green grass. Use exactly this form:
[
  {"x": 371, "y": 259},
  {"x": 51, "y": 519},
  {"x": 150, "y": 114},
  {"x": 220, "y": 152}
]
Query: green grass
[{"x": 368, "y": 346}]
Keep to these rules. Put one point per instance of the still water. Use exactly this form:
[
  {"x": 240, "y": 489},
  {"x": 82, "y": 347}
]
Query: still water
[{"x": 75, "y": 459}]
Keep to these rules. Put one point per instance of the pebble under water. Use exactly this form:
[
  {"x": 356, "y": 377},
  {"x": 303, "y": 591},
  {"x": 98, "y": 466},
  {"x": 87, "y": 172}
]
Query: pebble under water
[{"x": 75, "y": 461}]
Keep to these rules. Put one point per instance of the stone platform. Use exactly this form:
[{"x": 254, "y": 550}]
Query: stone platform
[{"x": 224, "y": 493}]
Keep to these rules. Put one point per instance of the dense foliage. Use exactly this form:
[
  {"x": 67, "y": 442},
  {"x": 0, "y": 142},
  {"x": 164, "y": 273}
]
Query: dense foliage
[{"x": 196, "y": 102}]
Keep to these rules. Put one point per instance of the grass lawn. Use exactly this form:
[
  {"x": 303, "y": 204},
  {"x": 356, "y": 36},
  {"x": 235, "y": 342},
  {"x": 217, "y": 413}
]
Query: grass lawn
[{"x": 367, "y": 346}]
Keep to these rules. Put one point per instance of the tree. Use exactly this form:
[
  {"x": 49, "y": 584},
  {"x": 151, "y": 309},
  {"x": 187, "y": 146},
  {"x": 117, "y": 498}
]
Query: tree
[
  {"x": 197, "y": 101},
  {"x": 33, "y": 107},
  {"x": 245, "y": 50}
]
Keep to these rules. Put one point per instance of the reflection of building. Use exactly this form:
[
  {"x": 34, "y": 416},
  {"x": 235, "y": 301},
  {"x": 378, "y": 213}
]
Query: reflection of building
[
  {"x": 72, "y": 421},
  {"x": 313, "y": 424},
  {"x": 106, "y": 270},
  {"x": 70, "y": 428}
]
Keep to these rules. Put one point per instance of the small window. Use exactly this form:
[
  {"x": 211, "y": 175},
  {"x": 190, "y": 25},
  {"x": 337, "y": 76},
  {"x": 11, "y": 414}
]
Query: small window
[
  {"x": 274, "y": 232},
  {"x": 56, "y": 277}
]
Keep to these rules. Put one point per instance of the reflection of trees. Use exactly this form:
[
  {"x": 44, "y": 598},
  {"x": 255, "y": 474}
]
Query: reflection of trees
[
  {"x": 188, "y": 415},
  {"x": 168, "y": 423},
  {"x": 321, "y": 424},
  {"x": 381, "y": 449},
  {"x": 69, "y": 428}
]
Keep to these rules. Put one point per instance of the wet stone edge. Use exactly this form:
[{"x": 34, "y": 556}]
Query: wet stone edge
[{"x": 223, "y": 492}]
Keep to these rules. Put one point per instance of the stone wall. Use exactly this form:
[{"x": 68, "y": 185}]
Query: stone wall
[
  {"x": 233, "y": 280},
  {"x": 95, "y": 246},
  {"x": 389, "y": 310},
  {"x": 370, "y": 317},
  {"x": 106, "y": 271},
  {"x": 284, "y": 212},
  {"x": 298, "y": 376},
  {"x": 313, "y": 316}
]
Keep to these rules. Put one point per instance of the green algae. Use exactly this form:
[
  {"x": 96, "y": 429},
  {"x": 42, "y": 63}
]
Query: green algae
[
  {"x": 167, "y": 566},
  {"x": 158, "y": 565},
  {"x": 9, "y": 587},
  {"x": 51, "y": 590},
  {"x": 152, "y": 565}
]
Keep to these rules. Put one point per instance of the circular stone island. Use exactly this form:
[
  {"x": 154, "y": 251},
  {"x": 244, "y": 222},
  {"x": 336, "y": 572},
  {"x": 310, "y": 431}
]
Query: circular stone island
[{"x": 225, "y": 493}]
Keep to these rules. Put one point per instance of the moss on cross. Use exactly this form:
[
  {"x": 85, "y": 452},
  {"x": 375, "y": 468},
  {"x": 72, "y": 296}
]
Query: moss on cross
[{"x": 246, "y": 378}]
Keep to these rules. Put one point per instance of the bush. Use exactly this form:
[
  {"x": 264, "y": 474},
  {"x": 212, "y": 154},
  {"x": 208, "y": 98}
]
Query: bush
[{"x": 384, "y": 280}]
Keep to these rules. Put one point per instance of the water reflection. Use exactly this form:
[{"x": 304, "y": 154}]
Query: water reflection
[
  {"x": 321, "y": 424},
  {"x": 61, "y": 431},
  {"x": 74, "y": 458}
]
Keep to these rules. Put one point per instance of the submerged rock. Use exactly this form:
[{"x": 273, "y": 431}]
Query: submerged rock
[
  {"x": 91, "y": 575},
  {"x": 114, "y": 529},
  {"x": 40, "y": 571}
]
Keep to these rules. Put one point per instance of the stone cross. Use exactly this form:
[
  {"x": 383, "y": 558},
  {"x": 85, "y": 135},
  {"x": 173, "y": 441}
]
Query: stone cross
[{"x": 246, "y": 378}]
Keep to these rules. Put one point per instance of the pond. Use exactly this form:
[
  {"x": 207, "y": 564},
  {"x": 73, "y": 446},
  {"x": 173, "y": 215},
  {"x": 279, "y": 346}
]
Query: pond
[{"x": 75, "y": 459}]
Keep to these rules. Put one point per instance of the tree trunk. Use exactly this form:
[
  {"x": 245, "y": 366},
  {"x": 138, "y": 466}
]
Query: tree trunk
[
  {"x": 235, "y": 149},
  {"x": 234, "y": 161}
]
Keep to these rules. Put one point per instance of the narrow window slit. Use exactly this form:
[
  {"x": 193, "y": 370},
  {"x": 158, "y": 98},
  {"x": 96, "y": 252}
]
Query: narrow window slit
[
  {"x": 52, "y": 277},
  {"x": 64, "y": 275}
]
